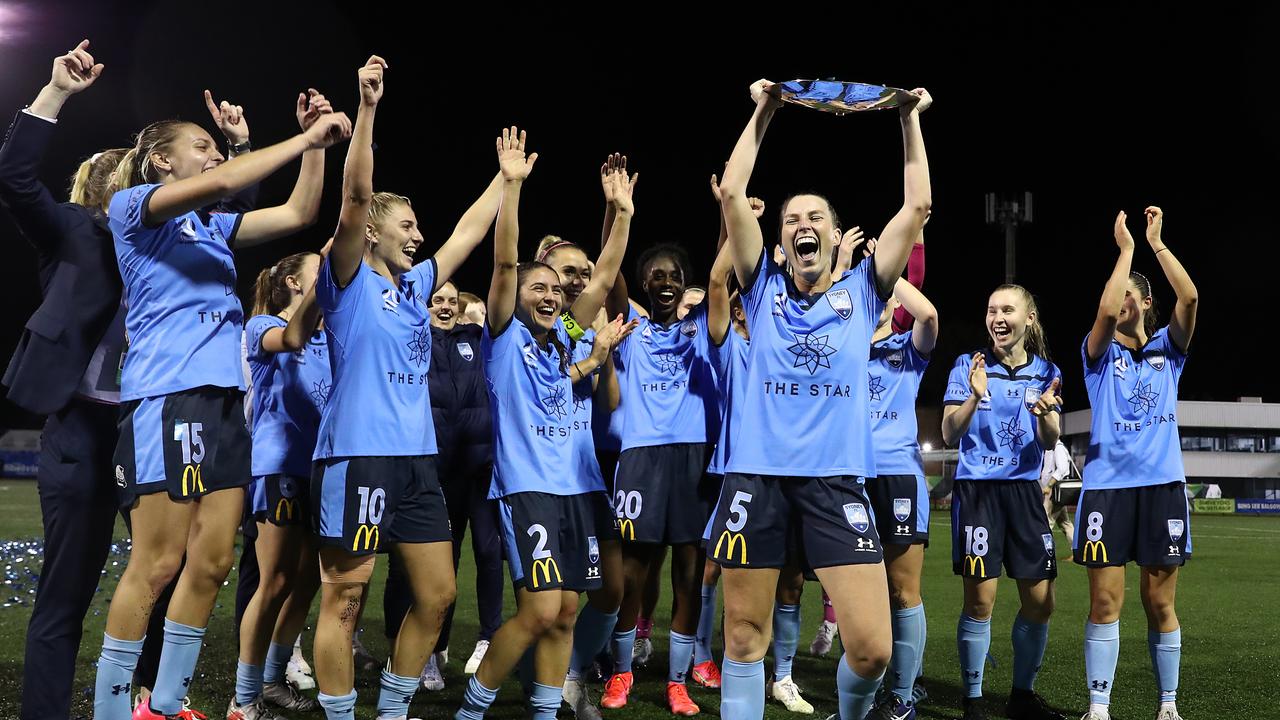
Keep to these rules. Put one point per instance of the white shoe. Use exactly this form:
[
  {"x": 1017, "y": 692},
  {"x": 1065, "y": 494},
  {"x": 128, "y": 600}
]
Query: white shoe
[
  {"x": 579, "y": 700},
  {"x": 821, "y": 644},
  {"x": 473, "y": 663},
  {"x": 1168, "y": 712},
  {"x": 642, "y": 651},
  {"x": 431, "y": 679},
  {"x": 786, "y": 692},
  {"x": 443, "y": 657},
  {"x": 297, "y": 672},
  {"x": 364, "y": 660},
  {"x": 1095, "y": 715}
]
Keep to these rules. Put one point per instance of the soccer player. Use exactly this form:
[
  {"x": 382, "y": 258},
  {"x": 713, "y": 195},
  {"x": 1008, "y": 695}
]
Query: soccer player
[
  {"x": 1002, "y": 409},
  {"x": 1134, "y": 505},
  {"x": 806, "y": 374},
  {"x": 183, "y": 455},
  {"x": 374, "y": 479},
  {"x": 289, "y": 361},
  {"x": 554, "y": 507}
]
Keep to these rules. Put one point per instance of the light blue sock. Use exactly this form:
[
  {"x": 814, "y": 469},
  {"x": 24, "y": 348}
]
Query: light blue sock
[
  {"x": 248, "y": 682},
  {"x": 1166, "y": 657},
  {"x": 679, "y": 653},
  {"x": 856, "y": 692},
  {"x": 786, "y": 634},
  {"x": 623, "y": 643},
  {"x": 908, "y": 647},
  {"x": 706, "y": 626},
  {"x": 1101, "y": 653},
  {"x": 742, "y": 690},
  {"x": 395, "y": 694},
  {"x": 590, "y": 634},
  {"x": 277, "y": 658},
  {"x": 924, "y": 641},
  {"x": 1029, "y": 641},
  {"x": 545, "y": 701},
  {"x": 178, "y": 659},
  {"x": 475, "y": 701},
  {"x": 112, "y": 698},
  {"x": 973, "y": 640},
  {"x": 338, "y": 707}
]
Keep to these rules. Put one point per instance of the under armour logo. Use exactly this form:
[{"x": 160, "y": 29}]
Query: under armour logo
[
  {"x": 186, "y": 681},
  {"x": 866, "y": 542},
  {"x": 1099, "y": 684},
  {"x": 120, "y": 689},
  {"x": 972, "y": 674}
]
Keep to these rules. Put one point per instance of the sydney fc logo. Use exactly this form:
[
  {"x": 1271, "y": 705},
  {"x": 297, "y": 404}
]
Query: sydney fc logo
[
  {"x": 856, "y": 514},
  {"x": 593, "y": 550},
  {"x": 464, "y": 349},
  {"x": 841, "y": 303},
  {"x": 1176, "y": 528},
  {"x": 894, "y": 359},
  {"x": 901, "y": 509},
  {"x": 288, "y": 487},
  {"x": 1048, "y": 544},
  {"x": 1156, "y": 361},
  {"x": 689, "y": 329}
]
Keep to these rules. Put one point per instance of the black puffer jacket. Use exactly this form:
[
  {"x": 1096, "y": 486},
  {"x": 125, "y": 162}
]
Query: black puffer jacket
[{"x": 459, "y": 401}]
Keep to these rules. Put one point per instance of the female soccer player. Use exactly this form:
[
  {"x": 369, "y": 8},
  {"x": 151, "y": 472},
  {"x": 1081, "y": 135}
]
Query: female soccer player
[
  {"x": 182, "y": 458},
  {"x": 1134, "y": 504},
  {"x": 806, "y": 370},
  {"x": 554, "y": 509},
  {"x": 289, "y": 362},
  {"x": 1002, "y": 408},
  {"x": 374, "y": 479}
]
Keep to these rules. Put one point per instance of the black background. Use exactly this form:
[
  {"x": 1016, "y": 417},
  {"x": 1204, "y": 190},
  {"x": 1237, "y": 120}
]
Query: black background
[{"x": 1092, "y": 109}]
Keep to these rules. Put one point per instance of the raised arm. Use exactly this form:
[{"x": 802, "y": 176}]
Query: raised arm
[
  {"x": 183, "y": 196},
  {"x": 514, "y": 169},
  {"x": 895, "y": 242},
  {"x": 1182, "y": 325},
  {"x": 718, "y": 308},
  {"x": 924, "y": 332},
  {"x": 619, "y": 190},
  {"x": 1104, "y": 324},
  {"x": 746, "y": 242},
  {"x": 357, "y": 177},
  {"x": 849, "y": 243},
  {"x": 618, "y": 301}
]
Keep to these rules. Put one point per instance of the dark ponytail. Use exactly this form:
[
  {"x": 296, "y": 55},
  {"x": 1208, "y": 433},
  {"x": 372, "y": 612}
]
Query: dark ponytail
[
  {"x": 270, "y": 294},
  {"x": 1151, "y": 315}
]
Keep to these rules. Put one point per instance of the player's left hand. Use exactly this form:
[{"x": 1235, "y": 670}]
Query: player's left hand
[{"x": 1049, "y": 401}]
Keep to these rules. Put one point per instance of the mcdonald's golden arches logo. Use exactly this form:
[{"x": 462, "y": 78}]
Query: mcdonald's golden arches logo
[
  {"x": 371, "y": 537},
  {"x": 975, "y": 566},
  {"x": 547, "y": 566},
  {"x": 734, "y": 540},
  {"x": 192, "y": 480},
  {"x": 285, "y": 509},
  {"x": 627, "y": 529},
  {"x": 1094, "y": 548}
]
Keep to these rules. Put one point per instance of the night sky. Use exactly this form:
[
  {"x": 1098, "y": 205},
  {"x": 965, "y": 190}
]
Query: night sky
[{"x": 1092, "y": 111}]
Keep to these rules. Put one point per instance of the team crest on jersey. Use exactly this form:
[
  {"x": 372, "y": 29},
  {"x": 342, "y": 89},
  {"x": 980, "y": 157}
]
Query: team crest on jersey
[
  {"x": 391, "y": 300},
  {"x": 1048, "y": 544},
  {"x": 1156, "y": 361},
  {"x": 1030, "y": 396},
  {"x": 593, "y": 550},
  {"x": 841, "y": 303},
  {"x": 856, "y": 514},
  {"x": 894, "y": 359},
  {"x": 1176, "y": 528},
  {"x": 288, "y": 488},
  {"x": 188, "y": 231},
  {"x": 901, "y": 509},
  {"x": 689, "y": 329},
  {"x": 530, "y": 355},
  {"x": 464, "y": 349}
]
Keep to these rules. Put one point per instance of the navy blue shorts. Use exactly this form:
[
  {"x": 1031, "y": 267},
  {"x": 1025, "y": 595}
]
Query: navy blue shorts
[
  {"x": 1147, "y": 525},
  {"x": 1001, "y": 524},
  {"x": 662, "y": 493},
  {"x": 757, "y": 514},
  {"x": 553, "y": 541},
  {"x": 363, "y": 503},
  {"x": 900, "y": 506},
  {"x": 189, "y": 444},
  {"x": 282, "y": 500}
]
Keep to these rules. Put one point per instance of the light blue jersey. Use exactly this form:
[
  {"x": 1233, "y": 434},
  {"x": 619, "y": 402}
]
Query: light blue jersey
[
  {"x": 894, "y": 372},
  {"x": 1001, "y": 442},
  {"x": 536, "y": 428},
  {"x": 1134, "y": 441},
  {"x": 289, "y": 392},
  {"x": 806, "y": 381},
  {"x": 584, "y": 411},
  {"x": 668, "y": 392},
  {"x": 380, "y": 347},
  {"x": 184, "y": 320},
  {"x": 729, "y": 360}
]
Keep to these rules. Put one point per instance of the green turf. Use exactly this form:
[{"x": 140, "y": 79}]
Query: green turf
[{"x": 1227, "y": 603}]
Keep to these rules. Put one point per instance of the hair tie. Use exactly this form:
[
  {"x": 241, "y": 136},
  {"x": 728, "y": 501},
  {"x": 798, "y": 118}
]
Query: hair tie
[
  {"x": 542, "y": 256},
  {"x": 272, "y": 272}
]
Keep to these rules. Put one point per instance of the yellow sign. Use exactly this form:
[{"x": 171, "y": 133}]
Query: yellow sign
[
  {"x": 627, "y": 524},
  {"x": 734, "y": 539},
  {"x": 371, "y": 538},
  {"x": 286, "y": 508},
  {"x": 1094, "y": 548},
  {"x": 975, "y": 566},
  {"x": 191, "y": 473},
  {"x": 547, "y": 566}
]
